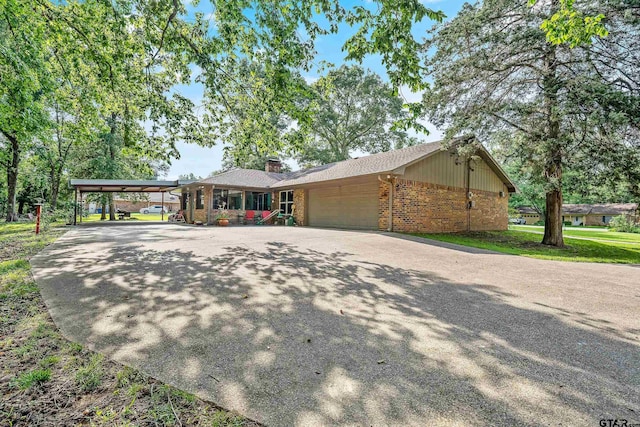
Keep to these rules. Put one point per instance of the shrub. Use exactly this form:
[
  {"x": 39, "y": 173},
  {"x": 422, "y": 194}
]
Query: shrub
[
  {"x": 567, "y": 223},
  {"x": 623, "y": 224},
  {"x": 541, "y": 222}
]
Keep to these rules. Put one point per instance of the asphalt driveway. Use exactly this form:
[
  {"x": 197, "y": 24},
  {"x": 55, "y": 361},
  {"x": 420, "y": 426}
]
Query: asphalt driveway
[{"x": 310, "y": 327}]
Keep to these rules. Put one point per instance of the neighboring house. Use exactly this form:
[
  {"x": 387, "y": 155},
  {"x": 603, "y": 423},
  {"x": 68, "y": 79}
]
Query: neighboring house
[
  {"x": 133, "y": 202},
  {"x": 597, "y": 214},
  {"x": 423, "y": 188},
  {"x": 586, "y": 214},
  {"x": 530, "y": 215}
]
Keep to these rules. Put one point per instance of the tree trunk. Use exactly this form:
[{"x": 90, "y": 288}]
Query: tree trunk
[
  {"x": 553, "y": 219},
  {"x": 112, "y": 210},
  {"x": 55, "y": 189},
  {"x": 553, "y": 168},
  {"x": 12, "y": 177},
  {"x": 103, "y": 212}
]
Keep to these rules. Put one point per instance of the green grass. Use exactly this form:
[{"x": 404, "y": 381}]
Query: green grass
[
  {"x": 528, "y": 244},
  {"x": 591, "y": 233},
  {"x": 29, "y": 379},
  {"x": 135, "y": 216},
  {"x": 89, "y": 377}
]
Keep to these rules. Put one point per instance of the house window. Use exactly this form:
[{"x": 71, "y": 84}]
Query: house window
[
  {"x": 258, "y": 201},
  {"x": 220, "y": 198},
  {"x": 199, "y": 199},
  {"x": 286, "y": 202}
]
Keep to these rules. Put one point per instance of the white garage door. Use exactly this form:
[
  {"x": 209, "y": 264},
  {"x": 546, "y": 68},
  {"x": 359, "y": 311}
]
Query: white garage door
[{"x": 347, "y": 206}]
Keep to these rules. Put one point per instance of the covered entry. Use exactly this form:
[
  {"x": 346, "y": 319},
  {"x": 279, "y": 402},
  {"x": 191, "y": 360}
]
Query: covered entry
[{"x": 345, "y": 206}]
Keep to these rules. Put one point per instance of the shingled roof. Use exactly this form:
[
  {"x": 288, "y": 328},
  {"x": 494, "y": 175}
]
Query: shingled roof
[
  {"x": 600, "y": 209},
  {"x": 245, "y": 178},
  {"x": 380, "y": 163}
]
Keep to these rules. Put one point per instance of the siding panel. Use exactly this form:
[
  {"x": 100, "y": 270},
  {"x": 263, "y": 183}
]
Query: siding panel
[{"x": 442, "y": 169}]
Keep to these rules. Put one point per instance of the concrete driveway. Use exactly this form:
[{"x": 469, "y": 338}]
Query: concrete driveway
[{"x": 310, "y": 327}]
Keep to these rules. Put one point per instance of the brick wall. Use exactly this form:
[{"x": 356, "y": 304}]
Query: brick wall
[
  {"x": 431, "y": 208},
  {"x": 299, "y": 200},
  {"x": 198, "y": 214}
]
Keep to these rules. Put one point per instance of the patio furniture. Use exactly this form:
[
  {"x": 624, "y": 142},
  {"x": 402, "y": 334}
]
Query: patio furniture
[
  {"x": 250, "y": 216},
  {"x": 266, "y": 216},
  {"x": 123, "y": 214},
  {"x": 178, "y": 217}
]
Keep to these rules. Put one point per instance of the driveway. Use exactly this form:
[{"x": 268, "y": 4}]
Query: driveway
[{"x": 311, "y": 327}]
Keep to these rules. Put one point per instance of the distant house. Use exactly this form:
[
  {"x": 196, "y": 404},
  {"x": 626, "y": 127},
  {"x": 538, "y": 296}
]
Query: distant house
[
  {"x": 530, "y": 215},
  {"x": 586, "y": 214},
  {"x": 424, "y": 188},
  {"x": 133, "y": 202},
  {"x": 597, "y": 214}
]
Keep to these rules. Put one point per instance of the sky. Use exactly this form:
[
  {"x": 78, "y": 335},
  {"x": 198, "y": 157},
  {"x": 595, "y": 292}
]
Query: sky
[{"x": 202, "y": 161}]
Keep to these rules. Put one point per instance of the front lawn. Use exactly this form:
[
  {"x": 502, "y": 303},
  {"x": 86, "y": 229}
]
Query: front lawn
[
  {"x": 528, "y": 244},
  {"x": 46, "y": 379},
  {"x": 135, "y": 216},
  {"x": 591, "y": 233}
]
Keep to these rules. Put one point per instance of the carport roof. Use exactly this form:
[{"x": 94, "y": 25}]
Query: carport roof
[{"x": 124, "y": 185}]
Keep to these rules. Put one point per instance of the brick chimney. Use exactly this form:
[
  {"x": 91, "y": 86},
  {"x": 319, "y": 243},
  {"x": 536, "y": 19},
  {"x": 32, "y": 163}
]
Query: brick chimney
[{"x": 273, "y": 165}]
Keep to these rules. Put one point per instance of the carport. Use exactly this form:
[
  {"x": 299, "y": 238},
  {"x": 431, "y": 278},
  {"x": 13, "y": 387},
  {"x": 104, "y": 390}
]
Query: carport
[{"x": 81, "y": 186}]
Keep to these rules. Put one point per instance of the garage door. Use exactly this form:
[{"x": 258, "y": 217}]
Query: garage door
[{"x": 347, "y": 206}]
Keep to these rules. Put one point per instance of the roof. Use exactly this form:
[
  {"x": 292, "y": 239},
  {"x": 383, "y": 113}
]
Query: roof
[
  {"x": 374, "y": 164},
  {"x": 590, "y": 209},
  {"x": 526, "y": 210},
  {"x": 124, "y": 185},
  {"x": 392, "y": 162},
  {"x": 249, "y": 178},
  {"x": 600, "y": 209}
]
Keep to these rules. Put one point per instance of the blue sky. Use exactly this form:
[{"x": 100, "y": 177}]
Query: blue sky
[{"x": 202, "y": 161}]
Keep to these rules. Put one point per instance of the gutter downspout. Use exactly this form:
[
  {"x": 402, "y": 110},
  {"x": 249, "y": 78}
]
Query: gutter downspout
[{"x": 390, "y": 181}]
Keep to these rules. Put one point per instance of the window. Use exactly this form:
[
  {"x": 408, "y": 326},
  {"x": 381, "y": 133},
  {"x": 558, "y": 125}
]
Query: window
[
  {"x": 227, "y": 199},
  {"x": 258, "y": 201},
  {"x": 199, "y": 199},
  {"x": 286, "y": 202}
]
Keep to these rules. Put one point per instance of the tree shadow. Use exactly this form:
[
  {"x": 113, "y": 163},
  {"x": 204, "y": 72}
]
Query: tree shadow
[{"x": 294, "y": 336}]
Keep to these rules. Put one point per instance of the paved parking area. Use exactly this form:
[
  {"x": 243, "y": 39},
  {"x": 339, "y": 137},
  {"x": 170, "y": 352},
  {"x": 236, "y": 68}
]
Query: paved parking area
[{"x": 303, "y": 326}]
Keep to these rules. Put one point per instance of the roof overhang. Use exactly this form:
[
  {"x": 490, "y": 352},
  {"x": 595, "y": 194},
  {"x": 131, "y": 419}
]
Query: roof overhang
[{"x": 124, "y": 185}]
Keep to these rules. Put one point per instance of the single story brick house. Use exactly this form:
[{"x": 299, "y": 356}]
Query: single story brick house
[
  {"x": 423, "y": 188},
  {"x": 587, "y": 214}
]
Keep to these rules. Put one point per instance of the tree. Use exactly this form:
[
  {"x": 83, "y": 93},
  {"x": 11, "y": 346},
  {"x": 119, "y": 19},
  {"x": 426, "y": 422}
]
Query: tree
[
  {"x": 24, "y": 84},
  {"x": 352, "y": 109},
  {"x": 495, "y": 74},
  {"x": 571, "y": 25},
  {"x": 99, "y": 63}
]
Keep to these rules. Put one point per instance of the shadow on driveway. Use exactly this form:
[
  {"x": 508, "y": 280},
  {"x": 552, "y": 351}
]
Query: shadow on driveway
[{"x": 289, "y": 335}]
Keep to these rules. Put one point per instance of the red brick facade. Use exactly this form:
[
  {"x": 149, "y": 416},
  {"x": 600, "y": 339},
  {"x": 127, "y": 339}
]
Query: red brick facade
[{"x": 431, "y": 208}]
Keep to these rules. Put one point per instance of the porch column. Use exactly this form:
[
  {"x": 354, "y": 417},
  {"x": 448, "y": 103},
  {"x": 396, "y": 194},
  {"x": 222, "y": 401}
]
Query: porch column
[
  {"x": 75, "y": 208},
  {"x": 209, "y": 205}
]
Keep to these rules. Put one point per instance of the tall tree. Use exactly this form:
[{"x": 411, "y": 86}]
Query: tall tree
[
  {"x": 24, "y": 83},
  {"x": 496, "y": 74},
  {"x": 352, "y": 110}
]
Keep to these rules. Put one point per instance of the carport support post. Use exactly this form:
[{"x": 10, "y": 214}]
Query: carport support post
[
  {"x": 162, "y": 210},
  {"x": 75, "y": 208},
  {"x": 81, "y": 206}
]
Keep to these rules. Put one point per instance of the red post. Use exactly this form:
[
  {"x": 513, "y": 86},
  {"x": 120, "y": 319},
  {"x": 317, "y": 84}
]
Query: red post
[{"x": 38, "y": 212}]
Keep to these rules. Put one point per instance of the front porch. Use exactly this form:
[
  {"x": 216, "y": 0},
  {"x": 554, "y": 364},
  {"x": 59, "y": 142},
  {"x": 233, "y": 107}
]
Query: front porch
[{"x": 204, "y": 203}]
